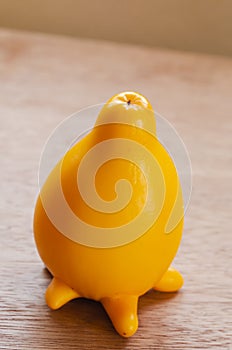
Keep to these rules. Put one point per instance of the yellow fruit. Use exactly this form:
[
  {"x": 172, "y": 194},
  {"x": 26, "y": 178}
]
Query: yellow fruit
[{"x": 129, "y": 249}]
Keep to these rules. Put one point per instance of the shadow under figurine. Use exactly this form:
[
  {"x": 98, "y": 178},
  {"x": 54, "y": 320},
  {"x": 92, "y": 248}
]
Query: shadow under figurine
[{"x": 98, "y": 244}]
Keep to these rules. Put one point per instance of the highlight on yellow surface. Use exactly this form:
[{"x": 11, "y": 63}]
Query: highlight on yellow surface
[{"x": 101, "y": 218}]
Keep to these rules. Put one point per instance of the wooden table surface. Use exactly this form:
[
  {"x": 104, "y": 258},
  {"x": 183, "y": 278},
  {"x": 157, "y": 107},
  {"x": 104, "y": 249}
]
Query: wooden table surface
[{"x": 43, "y": 79}]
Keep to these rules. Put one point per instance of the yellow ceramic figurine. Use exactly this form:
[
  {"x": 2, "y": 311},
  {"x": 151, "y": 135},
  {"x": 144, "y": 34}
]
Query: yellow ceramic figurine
[{"x": 126, "y": 215}]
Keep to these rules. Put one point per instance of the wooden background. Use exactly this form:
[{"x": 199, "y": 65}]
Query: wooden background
[{"x": 43, "y": 79}]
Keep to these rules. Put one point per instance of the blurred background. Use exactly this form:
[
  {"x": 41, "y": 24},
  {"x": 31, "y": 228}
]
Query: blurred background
[{"x": 192, "y": 25}]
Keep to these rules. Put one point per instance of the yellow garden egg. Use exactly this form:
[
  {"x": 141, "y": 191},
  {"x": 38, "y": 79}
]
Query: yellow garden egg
[{"x": 109, "y": 218}]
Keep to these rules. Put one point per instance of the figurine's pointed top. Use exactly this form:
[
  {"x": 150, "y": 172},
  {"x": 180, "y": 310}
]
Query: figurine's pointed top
[
  {"x": 129, "y": 108},
  {"x": 132, "y": 99}
]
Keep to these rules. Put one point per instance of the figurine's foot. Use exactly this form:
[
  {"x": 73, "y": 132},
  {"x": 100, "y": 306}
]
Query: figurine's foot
[
  {"x": 122, "y": 311},
  {"x": 58, "y": 294},
  {"x": 170, "y": 282}
]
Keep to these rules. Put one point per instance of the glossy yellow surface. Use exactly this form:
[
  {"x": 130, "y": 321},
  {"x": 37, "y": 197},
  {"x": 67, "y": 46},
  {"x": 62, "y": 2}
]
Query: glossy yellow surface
[{"x": 116, "y": 276}]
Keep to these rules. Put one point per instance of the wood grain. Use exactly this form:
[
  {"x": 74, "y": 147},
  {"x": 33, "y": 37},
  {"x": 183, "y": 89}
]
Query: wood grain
[{"x": 43, "y": 79}]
